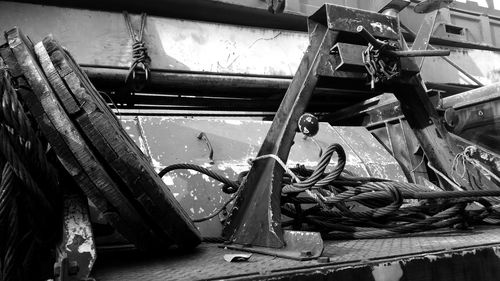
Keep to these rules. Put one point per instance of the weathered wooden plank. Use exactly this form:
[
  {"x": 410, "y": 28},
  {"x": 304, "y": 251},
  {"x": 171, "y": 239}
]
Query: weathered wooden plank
[
  {"x": 120, "y": 154},
  {"x": 73, "y": 152}
]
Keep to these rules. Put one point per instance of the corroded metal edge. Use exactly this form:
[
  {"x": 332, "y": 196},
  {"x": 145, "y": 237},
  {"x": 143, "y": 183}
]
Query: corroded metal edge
[{"x": 467, "y": 263}]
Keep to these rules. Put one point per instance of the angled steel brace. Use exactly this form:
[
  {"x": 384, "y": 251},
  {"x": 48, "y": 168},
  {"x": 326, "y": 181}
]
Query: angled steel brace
[{"x": 256, "y": 221}]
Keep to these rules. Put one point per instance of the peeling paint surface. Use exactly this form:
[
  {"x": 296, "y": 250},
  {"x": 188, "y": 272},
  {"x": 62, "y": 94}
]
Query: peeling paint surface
[
  {"x": 173, "y": 140},
  {"x": 78, "y": 244},
  {"x": 387, "y": 272}
]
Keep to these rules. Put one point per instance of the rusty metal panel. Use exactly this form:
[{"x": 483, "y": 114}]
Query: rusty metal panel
[
  {"x": 170, "y": 140},
  {"x": 78, "y": 243},
  {"x": 339, "y": 18}
]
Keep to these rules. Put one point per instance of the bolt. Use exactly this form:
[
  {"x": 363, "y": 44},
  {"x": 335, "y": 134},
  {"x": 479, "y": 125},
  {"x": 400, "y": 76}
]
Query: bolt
[
  {"x": 323, "y": 259},
  {"x": 305, "y": 253},
  {"x": 480, "y": 113}
]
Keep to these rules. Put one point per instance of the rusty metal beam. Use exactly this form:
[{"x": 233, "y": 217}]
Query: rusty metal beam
[{"x": 256, "y": 220}]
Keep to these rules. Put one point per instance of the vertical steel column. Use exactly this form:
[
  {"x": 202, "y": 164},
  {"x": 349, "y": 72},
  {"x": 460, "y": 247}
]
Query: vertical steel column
[{"x": 257, "y": 219}]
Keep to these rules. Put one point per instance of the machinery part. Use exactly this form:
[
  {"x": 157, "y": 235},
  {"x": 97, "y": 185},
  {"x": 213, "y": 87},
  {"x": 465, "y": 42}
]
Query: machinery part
[
  {"x": 203, "y": 136},
  {"x": 299, "y": 245},
  {"x": 428, "y": 6},
  {"x": 381, "y": 58},
  {"x": 423, "y": 36},
  {"x": 381, "y": 68},
  {"x": 256, "y": 218},
  {"x": 391, "y": 50},
  {"x": 349, "y": 57},
  {"x": 450, "y": 62},
  {"x": 308, "y": 125},
  {"x": 128, "y": 167}
]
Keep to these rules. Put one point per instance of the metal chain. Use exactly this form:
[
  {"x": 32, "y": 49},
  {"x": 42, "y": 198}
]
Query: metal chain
[{"x": 380, "y": 68}]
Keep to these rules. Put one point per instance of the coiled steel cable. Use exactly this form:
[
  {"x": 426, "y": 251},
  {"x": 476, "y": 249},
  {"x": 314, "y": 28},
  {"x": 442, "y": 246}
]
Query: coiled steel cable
[
  {"x": 385, "y": 212},
  {"x": 30, "y": 203}
]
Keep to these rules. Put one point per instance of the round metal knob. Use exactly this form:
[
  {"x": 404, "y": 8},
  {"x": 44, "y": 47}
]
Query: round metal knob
[{"x": 308, "y": 125}]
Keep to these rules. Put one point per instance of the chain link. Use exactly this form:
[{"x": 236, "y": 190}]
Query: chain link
[{"x": 380, "y": 67}]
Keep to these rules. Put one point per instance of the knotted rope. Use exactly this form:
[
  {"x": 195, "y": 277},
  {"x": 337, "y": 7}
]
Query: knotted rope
[
  {"x": 140, "y": 57},
  {"x": 466, "y": 156}
]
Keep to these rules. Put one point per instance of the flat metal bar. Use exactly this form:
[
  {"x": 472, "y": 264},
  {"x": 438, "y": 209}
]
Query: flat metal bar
[
  {"x": 473, "y": 97},
  {"x": 256, "y": 220},
  {"x": 423, "y": 36},
  {"x": 421, "y": 53}
]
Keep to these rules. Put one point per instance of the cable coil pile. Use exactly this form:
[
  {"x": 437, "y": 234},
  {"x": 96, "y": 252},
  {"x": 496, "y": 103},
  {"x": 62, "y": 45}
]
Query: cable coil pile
[{"x": 342, "y": 206}]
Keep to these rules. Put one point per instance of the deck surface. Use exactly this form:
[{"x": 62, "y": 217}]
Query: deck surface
[{"x": 207, "y": 262}]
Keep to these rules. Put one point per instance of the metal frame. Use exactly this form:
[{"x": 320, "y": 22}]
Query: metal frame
[{"x": 255, "y": 219}]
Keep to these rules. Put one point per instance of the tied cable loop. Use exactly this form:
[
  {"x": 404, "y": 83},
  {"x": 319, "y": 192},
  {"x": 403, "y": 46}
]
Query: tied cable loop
[
  {"x": 282, "y": 164},
  {"x": 466, "y": 156},
  {"x": 140, "y": 57}
]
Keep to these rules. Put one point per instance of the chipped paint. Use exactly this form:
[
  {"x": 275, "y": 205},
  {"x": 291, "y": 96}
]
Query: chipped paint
[
  {"x": 387, "y": 272},
  {"x": 233, "y": 122},
  {"x": 377, "y": 25},
  {"x": 173, "y": 140},
  {"x": 168, "y": 180},
  {"x": 78, "y": 244}
]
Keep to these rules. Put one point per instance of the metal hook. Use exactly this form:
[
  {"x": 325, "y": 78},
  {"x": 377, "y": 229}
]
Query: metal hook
[{"x": 203, "y": 136}]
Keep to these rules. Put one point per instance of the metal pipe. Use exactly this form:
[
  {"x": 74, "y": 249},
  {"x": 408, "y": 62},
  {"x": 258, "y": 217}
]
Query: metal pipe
[
  {"x": 215, "y": 85},
  {"x": 377, "y": 44},
  {"x": 420, "y": 53},
  {"x": 480, "y": 95}
]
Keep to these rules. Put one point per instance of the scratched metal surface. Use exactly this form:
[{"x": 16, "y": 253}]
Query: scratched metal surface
[
  {"x": 207, "y": 262},
  {"x": 169, "y": 140}
]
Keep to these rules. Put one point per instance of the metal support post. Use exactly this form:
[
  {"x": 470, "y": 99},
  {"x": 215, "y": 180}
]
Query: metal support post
[
  {"x": 257, "y": 218},
  {"x": 255, "y": 221}
]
